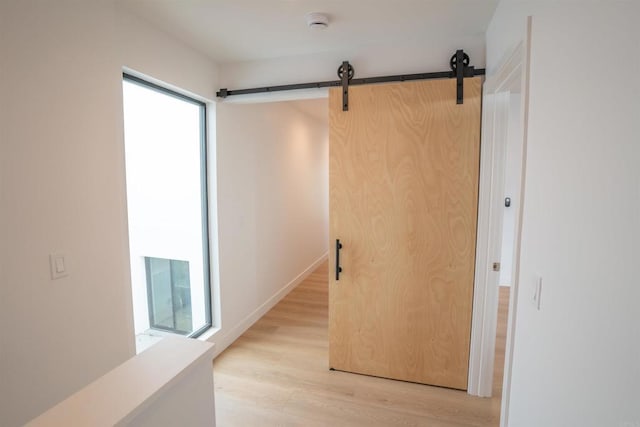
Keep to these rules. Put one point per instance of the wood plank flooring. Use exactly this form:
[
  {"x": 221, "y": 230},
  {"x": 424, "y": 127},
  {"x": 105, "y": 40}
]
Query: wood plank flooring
[{"x": 276, "y": 374}]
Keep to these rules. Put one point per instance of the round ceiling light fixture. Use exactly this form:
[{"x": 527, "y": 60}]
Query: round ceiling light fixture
[{"x": 317, "y": 21}]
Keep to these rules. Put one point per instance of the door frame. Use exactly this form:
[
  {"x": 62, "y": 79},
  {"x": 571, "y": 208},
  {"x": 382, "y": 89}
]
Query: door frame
[{"x": 513, "y": 72}]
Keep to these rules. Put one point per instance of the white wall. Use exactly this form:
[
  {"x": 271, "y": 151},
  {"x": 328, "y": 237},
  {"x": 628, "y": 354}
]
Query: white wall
[
  {"x": 155, "y": 54},
  {"x": 576, "y": 361},
  {"x": 272, "y": 165},
  {"x": 63, "y": 190}
]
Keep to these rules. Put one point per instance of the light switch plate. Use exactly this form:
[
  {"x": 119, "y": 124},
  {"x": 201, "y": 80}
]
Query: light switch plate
[{"x": 58, "y": 266}]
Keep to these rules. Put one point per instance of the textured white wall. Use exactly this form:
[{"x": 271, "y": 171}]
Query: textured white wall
[
  {"x": 576, "y": 361},
  {"x": 273, "y": 206},
  {"x": 63, "y": 190}
]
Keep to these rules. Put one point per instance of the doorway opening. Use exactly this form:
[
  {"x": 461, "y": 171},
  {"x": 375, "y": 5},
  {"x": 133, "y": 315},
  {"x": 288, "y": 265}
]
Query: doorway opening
[
  {"x": 512, "y": 172},
  {"x": 511, "y": 202},
  {"x": 166, "y": 170},
  {"x": 502, "y": 171}
]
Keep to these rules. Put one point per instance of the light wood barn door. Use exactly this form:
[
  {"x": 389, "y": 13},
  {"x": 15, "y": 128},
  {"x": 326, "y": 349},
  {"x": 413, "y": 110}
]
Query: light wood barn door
[{"x": 403, "y": 179}]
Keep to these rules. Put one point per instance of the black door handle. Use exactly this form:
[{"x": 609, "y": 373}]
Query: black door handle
[{"x": 338, "y": 268}]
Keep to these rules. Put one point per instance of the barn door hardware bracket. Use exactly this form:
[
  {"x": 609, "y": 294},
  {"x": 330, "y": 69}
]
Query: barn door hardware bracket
[
  {"x": 346, "y": 79},
  {"x": 345, "y": 73},
  {"x": 461, "y": 72}
]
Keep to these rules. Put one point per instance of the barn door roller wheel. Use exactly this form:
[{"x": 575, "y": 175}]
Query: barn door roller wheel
[
  {"x": 341, "y": 71},
  {"x": 453, "y": 62}
]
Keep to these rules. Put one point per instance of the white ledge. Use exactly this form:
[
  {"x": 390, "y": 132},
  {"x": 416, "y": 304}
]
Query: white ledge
[{"x": 122, "y": 394}]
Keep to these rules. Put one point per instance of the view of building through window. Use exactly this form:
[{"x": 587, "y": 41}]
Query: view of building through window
[{"x": 169, "y": 293}]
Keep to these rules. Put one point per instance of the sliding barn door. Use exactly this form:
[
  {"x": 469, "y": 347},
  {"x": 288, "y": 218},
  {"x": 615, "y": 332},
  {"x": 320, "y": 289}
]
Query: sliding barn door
[{"x": 404, "y": 164}]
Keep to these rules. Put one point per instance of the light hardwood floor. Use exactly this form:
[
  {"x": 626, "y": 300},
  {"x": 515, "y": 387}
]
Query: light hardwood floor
[{"x": 276, "y": 374}]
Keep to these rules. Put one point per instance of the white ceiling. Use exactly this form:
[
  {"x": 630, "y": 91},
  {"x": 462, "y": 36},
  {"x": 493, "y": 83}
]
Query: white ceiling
[{"x": 242, "y": 30}]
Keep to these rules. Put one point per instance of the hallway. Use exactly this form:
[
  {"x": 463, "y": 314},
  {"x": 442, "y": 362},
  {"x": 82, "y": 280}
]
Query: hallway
[{"x": 276, "y": 374}]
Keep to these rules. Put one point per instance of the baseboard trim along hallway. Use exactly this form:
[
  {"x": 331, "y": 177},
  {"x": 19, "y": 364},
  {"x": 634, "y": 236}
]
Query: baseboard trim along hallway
[{"x": 227, "y": 339}]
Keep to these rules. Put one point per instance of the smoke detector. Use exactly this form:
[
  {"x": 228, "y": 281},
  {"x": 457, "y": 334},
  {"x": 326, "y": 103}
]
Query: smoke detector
[{"x": 317, "y": 21}]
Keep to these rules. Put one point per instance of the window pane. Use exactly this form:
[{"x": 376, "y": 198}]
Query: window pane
[
  {"x": 181, "y": 295},
  {"x": 166, "y": 196},
  {"x": 159, "y": 280}
]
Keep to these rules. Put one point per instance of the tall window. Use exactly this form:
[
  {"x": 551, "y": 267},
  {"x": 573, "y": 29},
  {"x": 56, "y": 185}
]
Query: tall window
[{"x": 165, "y": 148}]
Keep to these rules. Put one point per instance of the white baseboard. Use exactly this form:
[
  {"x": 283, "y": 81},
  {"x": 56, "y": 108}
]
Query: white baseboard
[{"x": 228, "y": 338}]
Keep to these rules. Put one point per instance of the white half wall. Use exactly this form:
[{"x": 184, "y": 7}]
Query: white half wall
[
  {"x": 576, "y": 361},
  {"x": 63, "y": 191},
  {"x": 169, "y": 384},
  {"x": 272, "y": 162}
]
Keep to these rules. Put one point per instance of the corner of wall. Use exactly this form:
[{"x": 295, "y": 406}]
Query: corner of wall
[{"x": 153, "y": 53}]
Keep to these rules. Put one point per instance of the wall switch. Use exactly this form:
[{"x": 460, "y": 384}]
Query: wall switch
[
  {"x": 58, "y": 266},
  {"x": 537, "y": 293}
]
